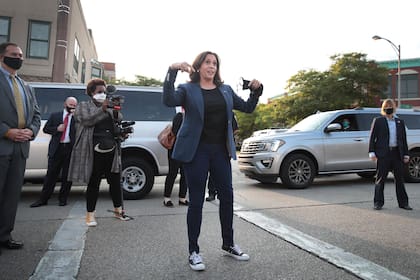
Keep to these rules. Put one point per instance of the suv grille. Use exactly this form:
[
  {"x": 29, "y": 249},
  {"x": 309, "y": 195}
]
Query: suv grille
[{"x": 253, "y": 147}]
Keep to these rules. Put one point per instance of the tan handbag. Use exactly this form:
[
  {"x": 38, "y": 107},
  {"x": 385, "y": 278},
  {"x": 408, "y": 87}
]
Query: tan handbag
[{"x": 166, "y": 137}]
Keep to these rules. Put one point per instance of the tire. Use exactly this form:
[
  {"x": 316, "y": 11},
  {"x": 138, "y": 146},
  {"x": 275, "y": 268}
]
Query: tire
[
  {"x": 367, "y": 175},
  {"x": 297, "y": 171},
  {"x": 137, "y": 178},
  {"x": 412, "y": 169}
]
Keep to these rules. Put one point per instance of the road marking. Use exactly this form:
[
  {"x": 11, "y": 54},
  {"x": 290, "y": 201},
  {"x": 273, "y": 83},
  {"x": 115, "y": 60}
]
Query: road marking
[
  {"x": 62, "y": 259},
  {"x": 358, "y": 266}
]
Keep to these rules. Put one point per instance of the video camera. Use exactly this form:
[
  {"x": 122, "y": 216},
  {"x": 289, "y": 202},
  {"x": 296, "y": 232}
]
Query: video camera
[
  {"x": 121, "y": 128},
  {"x": 114, "y": 101}
]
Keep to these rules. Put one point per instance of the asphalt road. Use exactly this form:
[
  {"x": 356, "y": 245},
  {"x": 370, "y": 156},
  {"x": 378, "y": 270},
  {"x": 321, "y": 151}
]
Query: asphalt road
[{"x": 328, "y": 231}]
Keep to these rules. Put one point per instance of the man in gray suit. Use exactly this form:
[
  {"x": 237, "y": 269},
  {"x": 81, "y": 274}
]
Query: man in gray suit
[{"x": 20, "y": 121}]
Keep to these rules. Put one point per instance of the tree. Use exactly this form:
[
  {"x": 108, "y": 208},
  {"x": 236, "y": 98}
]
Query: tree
[
  {"x": 139, "y": 81},
  {"x": 352, "y": 81}
]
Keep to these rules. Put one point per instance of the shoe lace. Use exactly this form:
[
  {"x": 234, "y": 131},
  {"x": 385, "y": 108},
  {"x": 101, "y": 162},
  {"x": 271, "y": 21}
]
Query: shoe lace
[
  {"x": 236, "y": 250},
  {"x": 195, "y": 258}
]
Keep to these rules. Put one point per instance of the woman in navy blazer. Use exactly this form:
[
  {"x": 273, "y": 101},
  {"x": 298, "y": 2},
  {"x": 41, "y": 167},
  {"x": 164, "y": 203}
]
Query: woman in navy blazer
[
  {"x": 388, "y": 146},
  {"x": 205, "y": 142}
]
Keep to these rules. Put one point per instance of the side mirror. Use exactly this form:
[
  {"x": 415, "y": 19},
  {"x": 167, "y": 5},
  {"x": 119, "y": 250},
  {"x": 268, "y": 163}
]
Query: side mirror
[{"x": 333, "y": 127}]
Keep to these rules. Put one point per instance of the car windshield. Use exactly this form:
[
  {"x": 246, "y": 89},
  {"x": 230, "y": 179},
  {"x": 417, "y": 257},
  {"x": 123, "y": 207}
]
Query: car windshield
[{"x": 311, "y": 122}]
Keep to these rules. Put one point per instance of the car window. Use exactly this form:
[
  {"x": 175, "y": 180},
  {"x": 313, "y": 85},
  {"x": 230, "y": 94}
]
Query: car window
[
  {"x": 411, "y": 121},
  {"x": 145, "y": 106},
  {"x": 52, "y": 99},
  {"x": 348, "y": 122},
  {"x": 365, "y": 120}
]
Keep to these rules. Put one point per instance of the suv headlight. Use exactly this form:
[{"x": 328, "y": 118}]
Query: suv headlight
[{"x": 274, "y": 145}]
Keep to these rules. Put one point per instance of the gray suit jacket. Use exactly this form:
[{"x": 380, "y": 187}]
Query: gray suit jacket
[{"x": 8, "y": 116}]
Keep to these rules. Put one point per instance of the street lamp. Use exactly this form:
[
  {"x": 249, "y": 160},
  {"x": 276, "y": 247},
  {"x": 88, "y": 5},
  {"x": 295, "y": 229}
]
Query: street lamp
[{"x": 397, "y": 49}]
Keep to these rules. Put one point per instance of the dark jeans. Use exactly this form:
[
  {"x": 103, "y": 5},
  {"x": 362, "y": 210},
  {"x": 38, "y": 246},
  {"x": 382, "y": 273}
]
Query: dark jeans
[
  {"x": 58, "y": 162},
  {"x": 392, "y": 162},
  {"x": 102, "y": 163},
  {"x": 211, "y": 158},
  {"x": 174, "y": 166},
  {"x": 211, "y": 185}
]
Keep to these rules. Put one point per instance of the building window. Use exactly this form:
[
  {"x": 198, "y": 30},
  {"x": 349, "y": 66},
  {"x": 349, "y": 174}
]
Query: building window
[
  {"x": 409, "y": 86},
  {"x": 4, "y": 29},
  {"x": 39, "y": 39},
  {"x": 82, "y": 79},
  {"x": 76, "y": 55},
  {"x": 96, "y": 72}
]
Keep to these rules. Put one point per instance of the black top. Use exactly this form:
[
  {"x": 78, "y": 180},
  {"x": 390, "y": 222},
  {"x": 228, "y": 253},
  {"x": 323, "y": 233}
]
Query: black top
[{"x": 215, "y": 117}]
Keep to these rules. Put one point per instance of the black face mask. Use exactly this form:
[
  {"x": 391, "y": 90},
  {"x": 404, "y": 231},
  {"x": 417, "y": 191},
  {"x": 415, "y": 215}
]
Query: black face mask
[
  {"x": 13, "y": 62},
  {"x": 70, "y": 109},
  {"x": 389, "y": 111}
]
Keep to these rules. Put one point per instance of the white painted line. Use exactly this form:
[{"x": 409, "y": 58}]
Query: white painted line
[
  {"x": 359, "y": 266},
  {"x": 62, "y": 260}
]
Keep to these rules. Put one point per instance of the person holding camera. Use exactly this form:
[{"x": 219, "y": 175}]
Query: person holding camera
[
  {"x": 96, "y": 152},
  {"x": 205, "y": 143}
]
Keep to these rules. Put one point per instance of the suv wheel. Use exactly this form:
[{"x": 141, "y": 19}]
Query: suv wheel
[
  {"x": 412, "y": 170},
  {"x": 297, "y": 171},
  {"x": 136, "y": 178}
]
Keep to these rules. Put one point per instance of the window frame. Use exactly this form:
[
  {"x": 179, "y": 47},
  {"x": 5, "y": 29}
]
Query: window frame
[
  {"x": 32, "y": 40},
  {"x": 7, "y": 35}
]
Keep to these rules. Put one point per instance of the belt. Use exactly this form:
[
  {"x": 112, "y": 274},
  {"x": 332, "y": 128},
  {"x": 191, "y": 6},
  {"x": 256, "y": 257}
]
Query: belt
[
  {"x": 393, "y": 148},
  {"x": 65, "y": 144}
]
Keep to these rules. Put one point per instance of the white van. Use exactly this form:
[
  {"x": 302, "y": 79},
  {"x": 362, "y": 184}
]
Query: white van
[{"x": 143, "y": 157}]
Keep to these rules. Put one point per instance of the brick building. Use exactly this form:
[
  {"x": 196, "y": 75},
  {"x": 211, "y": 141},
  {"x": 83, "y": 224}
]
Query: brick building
[{"x": 56, "y": 43}]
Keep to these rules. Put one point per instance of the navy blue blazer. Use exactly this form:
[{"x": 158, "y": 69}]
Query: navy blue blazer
[
  {"x": 50, "y": 127},
  {"x": 189, "y": 96},
  {"x": 379, "y": 137}
]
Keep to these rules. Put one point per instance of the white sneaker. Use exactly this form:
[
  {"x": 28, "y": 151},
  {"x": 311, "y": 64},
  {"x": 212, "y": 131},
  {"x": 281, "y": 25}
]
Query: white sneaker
[
  {"x": 236, "y": 253},
  {"x": 90, "y": 219},
  {"x": 196, "y": 262}
]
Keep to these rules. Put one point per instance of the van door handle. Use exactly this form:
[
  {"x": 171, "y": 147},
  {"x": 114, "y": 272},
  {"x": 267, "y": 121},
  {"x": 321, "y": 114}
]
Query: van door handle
[{"x": 358, "y": 139}]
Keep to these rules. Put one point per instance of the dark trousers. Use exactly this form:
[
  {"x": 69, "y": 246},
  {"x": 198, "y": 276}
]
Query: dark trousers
[
  {"x": 174, "y": 167},
  {"x": 12, "y": 170},
  {"x": 392, "y": 162},
  {"x": 58, "y": 162},
  {"x": 102, "y": 163},
  {"x": 211, "y": 186},
  {"x": 211, "y": 158}
]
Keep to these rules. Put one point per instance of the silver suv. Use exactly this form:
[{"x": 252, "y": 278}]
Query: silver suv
[
  {"x": 320, "y": 145},
  {"x": 143, "y": 157}
]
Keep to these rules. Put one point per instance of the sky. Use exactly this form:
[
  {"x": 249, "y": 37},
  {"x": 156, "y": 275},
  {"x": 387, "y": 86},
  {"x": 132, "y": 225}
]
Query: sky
[{"x": 267, "y": 40}]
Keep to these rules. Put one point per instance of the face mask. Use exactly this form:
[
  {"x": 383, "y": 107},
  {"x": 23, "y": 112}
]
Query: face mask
[
  {"x": 13, "y": 62},
  {"x": 346, "y": 124},
  {"x": 389, "y": 111},
  {"x": 70, "y": 109},
  {"x": 100, "y": 97}
]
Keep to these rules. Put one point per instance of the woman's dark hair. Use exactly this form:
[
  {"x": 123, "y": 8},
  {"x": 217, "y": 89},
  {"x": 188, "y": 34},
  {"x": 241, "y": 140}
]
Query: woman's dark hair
[
  {"x": 195, "y": 76},
  {"x": 91, "y": 86}
]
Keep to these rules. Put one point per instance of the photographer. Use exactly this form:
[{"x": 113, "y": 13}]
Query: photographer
[{"x": 96, "y": 151}]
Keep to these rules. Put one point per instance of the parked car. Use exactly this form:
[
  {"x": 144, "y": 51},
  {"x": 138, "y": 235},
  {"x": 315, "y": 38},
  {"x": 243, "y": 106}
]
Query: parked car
[
  {"x": 143, "y": 157},
  {"x": 319, "y": 145}
]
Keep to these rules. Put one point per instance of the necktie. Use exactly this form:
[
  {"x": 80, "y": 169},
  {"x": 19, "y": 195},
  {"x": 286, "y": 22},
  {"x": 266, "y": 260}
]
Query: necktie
[
  {"x": 19, "y": 103},
  {"x": 66, "y": 122}
]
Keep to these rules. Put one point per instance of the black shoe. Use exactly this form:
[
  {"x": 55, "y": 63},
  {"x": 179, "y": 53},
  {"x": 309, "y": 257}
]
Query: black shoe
[
  {"x": 377, "y": 207},
  {"x": 38, "y": 203},
  {"x": 211, "y": 197},
  {"x": 185, "y": 203},
  {"x": 11, "y": 244},
  {"x": 168, "y": 203},
  {"x": 62, "y": 203},
  {"x": 407, "y": 207}
]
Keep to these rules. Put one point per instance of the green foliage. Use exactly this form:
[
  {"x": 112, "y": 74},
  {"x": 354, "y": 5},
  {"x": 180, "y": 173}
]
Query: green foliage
[
  {"x": 139, "y": 81},
  {"x": 351, "y": 81}
]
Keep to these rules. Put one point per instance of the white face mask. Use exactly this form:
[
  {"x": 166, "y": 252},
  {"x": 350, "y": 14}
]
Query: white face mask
[{"x": 100, "y": 97}]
